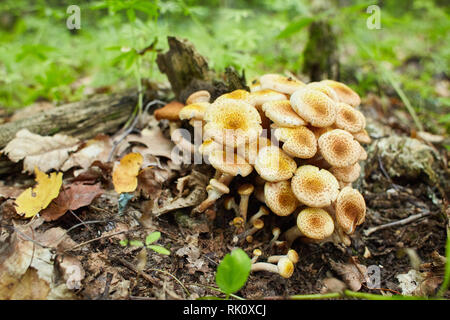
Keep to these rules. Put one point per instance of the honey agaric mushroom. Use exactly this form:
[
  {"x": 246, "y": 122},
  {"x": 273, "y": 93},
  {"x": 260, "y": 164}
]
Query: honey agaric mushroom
[
  {"x": 313, "y": 223},
  {"x": 282, "y": 114},
  {"x": 257, "y": 225},
  {"x": 244, "y": 191},
  {"x": 280, "y": 198},
  {"x": 256, "y": 254},
  {"x": 275, "y": 235},
  {"x": 349, "y": 119},
  {"x": 347, "y": 174},
  {"x": 291, "y": 255},
  {"x": 284, "y": 267},
  {"x": 320, "y": 86},
  {"x": 215, "y": 190},
  {"x": 239, "y": 94},
  {"x": 280, "y": 83},
  {"x": 263, "y": 211},
  {"x": 250, "y": 149},
  {"x": 194, "y": 111},
  {"x": 363, "y": 155},
  {"x": 314, "y": 107},
  {"x": 230, "y": 204},
  {"x": 169, "y": 112},
  {"x": 362, "y": 136},
  {"x": 208, "y": 146},
  {"x": 345, "y": 93},
  {"x": 314, "y": 187},
  {"x": 263, "y": 96},
  {"x": 350, "y": 209},
  {"x": 232, "y": 122},
  {"x": 272, "y": 164},
  {"x": 299, "y": 142},
  {"x": 339, "y": 148},
  {"x": 198, "y": 96}
]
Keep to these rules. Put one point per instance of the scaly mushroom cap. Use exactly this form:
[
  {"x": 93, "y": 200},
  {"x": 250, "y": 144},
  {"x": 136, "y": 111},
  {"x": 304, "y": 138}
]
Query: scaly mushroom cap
[
  {"x": 315, "y": 223},
  {"x": 348, "y": 118},
  {"x": 345, "y": 93},
  {"x": 209, "y": 145},
  {"x": 362, "y": 136},
  {"x": 246, "y": 189},
  {"x": 198, "y": 96},
  {"x": 232, "y": 122},
  {"x": 194, "y": 111},
  {"x": 262, "y": 96},
  {"x": 319, "y": 131},
  {"x": 250, "y": 150},
  {"x": 239, "y": 94},
  {"x": 285, "y": 267},
  {"x": 230, "y": 163},
  {"x": 280, "y": 83},
  {"x": 339, "y": 148},
  {"x": 314, "y": 187},
  {"x": 363, "y": 155},
  {"x": 298, "y": 142},
  {"x": 314, "y": 106},
  {"x": 347, "y": 174},
  {"x": 324, "y": 89},
  {"x": 272, "y": 164},
  {"x": 169, "y": 112},
  {"x": 282, "y": 114},
  {"x": 280, "y": 198},
  {"x": 350, "y": 209}
]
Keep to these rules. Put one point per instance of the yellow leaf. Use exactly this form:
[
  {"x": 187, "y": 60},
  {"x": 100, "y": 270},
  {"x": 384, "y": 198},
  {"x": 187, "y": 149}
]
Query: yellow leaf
[
  {"x": 33, "y": 200},
  {"x": 125, "y": 173}
]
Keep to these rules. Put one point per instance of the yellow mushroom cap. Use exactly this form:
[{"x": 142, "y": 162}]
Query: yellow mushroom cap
[
  {"x": 194, "y": 111},
  {"x": 347, "y": 174},
  {"x": 298, "y": 142},
  {"x": 229, "y": 163},
  {"x": 362, "y": 136},
  {"x": 314, "y": 187},
  {"x": 285, "y": 267},
  {"x": 262, "y": 96},
  {"x": 282, "y": 114},
  {"x": 339, "y": 148},
  {"x": 198, "y": 96},
  {"x": 250, "y": 150},
  {"x": 293, "y": 256},
  {"x": 348, "y": 118},
  {"x": 322, "y": 87},
  {"x": 345, "y": 93},
  {"x": 280, "y": 198},
  {"x": 314, "y": 106},
  {"x": 280, "y": 83},
  {"x": 209, "y": 145},
  {"x": 236, "y": 95},
  {"x": 246, "y": 189},
  {"x": 350, "y": 209},
  {"x": 232, "y": 122},
  {"x": 272, "y": 164},
  {"x": 315, "y": 223}
]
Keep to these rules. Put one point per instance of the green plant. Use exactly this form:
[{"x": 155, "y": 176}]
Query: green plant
[{"x": 151, "y": 238}]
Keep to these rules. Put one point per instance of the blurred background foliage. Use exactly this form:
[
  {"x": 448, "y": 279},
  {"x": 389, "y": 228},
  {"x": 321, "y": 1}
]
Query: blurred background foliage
[{"x": 40, "y": 59}]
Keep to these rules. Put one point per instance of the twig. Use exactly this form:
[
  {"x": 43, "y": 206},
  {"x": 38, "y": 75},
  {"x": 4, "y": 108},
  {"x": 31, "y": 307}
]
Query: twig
[
  {"x": 141, "y": 273},
  {"x": 396, "y": 223},
  {"x": 96, "y": 239},
  {"x": 175, "y": 278}
]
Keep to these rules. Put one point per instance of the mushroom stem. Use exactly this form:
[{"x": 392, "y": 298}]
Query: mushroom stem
[
  {"x": 291, "y": 255},
  {"x": 284, "y": 267},
  {"x": 256, "y": 254},
  {"x": 291, "y": 234},
  {"x": 264, "y": 266},
  {"x": 230, "y": 204},
  {"x": 215, "y": 190},
  {"x": 263, "y": 211},
  {"x": 244, "y": 191},
  {"x": 276, "y": 234}
]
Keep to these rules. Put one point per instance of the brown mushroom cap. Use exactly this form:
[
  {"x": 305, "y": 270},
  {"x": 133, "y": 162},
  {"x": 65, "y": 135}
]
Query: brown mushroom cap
[
  {"x": 345, "y": 93},
  {"x": 299, "y": 142},
  {"x": 314, "y": 106},
  {"x": 262, "y": 96},
  {"x": 280, "y": 198},
  {"x": 280, "y": 83},
  {"x": 350, "y": 209},
  {"x": 229, "y": 163},
  {"x": 315, "y": 223},
  {"x": 246, "y": 189},
  {"x": 347, "y": 174},
  {"x": 314, "y": 187},
  {"x": 169, "y": 112},
  {"x": 322, "y": 87},
  {"x": 274, "y": 165},
  {"x": 194, "y": 111},
  {"x": 250, "y": 150},
  {"x": 348, "y": 118},
  {"x": 362, "y": 136},
  {"x": 339, "y": 148},
  {"x": 363, "y": 155},
  {"x": 282, "y": 114},
  {"x": 198, "y": 96}
]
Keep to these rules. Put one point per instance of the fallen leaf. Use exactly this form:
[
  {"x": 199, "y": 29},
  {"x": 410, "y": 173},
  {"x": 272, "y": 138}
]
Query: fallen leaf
[
  {"x": 7, "y": 192},
  {"x": 71, "y": 270},
  {"x": 156, "y": 144},
  {"x": 71, "y": 197},
  {"x": 353, "y": 274},
  {"x": 44, "y": 152},
  {"x": 125, "y": 173},
  {"x": 33, "y": 200}
]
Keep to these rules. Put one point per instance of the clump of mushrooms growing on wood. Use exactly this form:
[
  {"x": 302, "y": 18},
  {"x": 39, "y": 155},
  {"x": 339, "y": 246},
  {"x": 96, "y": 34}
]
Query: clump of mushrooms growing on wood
[{"x": 303, "y": 142}]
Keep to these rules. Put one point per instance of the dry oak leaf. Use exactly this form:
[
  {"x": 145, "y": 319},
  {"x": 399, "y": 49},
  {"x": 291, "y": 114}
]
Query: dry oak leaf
[
  {"x": 125, "y": 173},
  {"x": 71, "y": 197},
  {"x": 33, "y": 200},
  {"x": 45, "y": 152}
]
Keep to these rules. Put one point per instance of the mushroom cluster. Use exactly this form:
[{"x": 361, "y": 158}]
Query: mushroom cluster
[{"x": 304, "y": 142}]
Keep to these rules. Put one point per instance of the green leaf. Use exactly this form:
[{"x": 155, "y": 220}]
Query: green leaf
[
  {"x": 136, "y": 243},
  {"x": 159, "y": 249},
  {"x": 295, "y": 27},
  {"x": 233, "y": 271},
  {"x": 123, "y": 243},
  {"x": 152, "y": 237},
  {"x": 209, "y": 298}
]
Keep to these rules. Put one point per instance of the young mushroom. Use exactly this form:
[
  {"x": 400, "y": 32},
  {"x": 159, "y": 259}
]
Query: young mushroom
[
  {"x": 299, "y": 142},
  {"x": 362, "y": 136},
  {"x": 314, "y": 107},
  {"x": 272, "y": 164},
  {"x": 339, "y": 148},
  {"x": 198, "y": 96},
  {"x": 284, "y": 267},
  {"x": 169, "y": 112},
  {"x": 194, "y": 111},
  {"x": 256, "y": 254},
  {"x": 244, "y": 191},
  {"x": 258, "y": 224},
  {"x": 350, "y": 209},
  {"x": 263, "y": 211},
  {"x": 280, "y": 83},
  {"x": 291, "y": 255},
  {"x": 280, "y": 198}
]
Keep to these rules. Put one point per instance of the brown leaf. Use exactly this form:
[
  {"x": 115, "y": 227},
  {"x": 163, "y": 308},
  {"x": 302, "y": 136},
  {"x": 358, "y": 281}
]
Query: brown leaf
[
  {"x": 72, "y": 197},
  {"x": 7, "y": 192},
  {"x": 156, "y": 144},
  {"x": 353, "y": 274}
]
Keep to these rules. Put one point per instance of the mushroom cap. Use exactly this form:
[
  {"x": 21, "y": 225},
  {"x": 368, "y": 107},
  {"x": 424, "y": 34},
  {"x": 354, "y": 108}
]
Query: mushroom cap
[
  {"x": 274, "y": 165},
  {"x": 232, "y": 122},
  {"x": 280, "y": 83},
  {"x": 194, "y": 111},
  {"x": 257, "y": 252},
  {"x": 350, "y": 209},
  {"x": 315, "y": 223},
  {"x": 339, "y": 148},
  {"x": 209, "y": 145},
  {"x": 362, "y": 136},
  {"x": 347, "y": 174},
  {"x": 348, "y": 118},
  {"x": 285, "y": 267},
  {"x": 314, "y": 187},
  {"x": 229, "y": 163},
  {"x": 293, "y": 256},
  {"x": 280, "y": 198},
  {"x": 258, "y": 223},
  {"x": 246, "y": 189},
  {"x": 298, "y": 142},
  {"x": 169, "y": 112},
  {"x": 314, "y": 106},
  {"x": 345, "y": 93},
  {"x": 250, "y": 150},
  {"x": 262, "y": 96},
  {"x": 219, "y": 186},
  {"x": 363, "y": 155},
  {"x": 322, "y": 87},
  {"x": 282, "y": 114},
  {"x": 239, "y": 94},
  {"x": 198, "y": 96}
]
